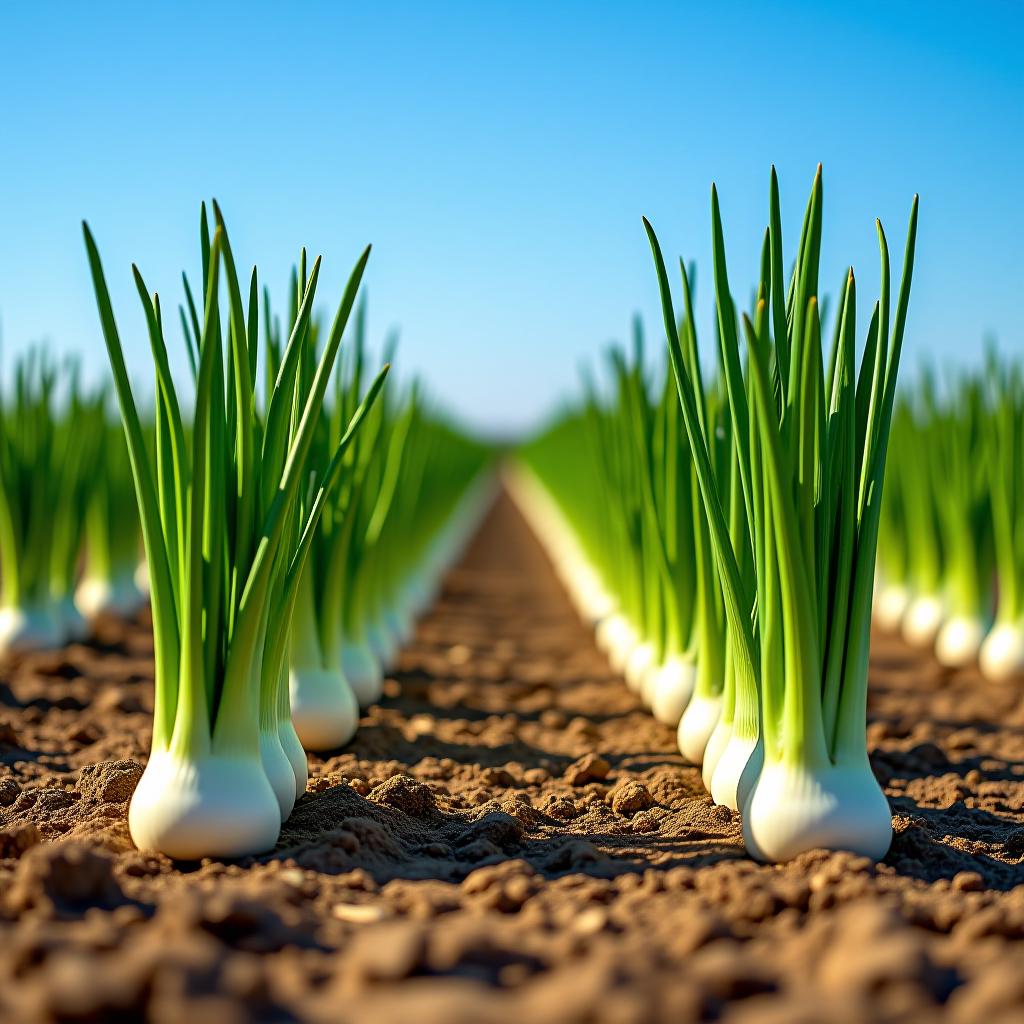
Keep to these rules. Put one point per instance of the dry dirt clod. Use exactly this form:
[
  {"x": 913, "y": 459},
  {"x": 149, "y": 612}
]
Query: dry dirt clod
[
  {"x": 16, "y": 839},
  {"x": 64, "y": 879},
  {"x": 589, "y": 768},
  {"x": 109, "y": 781},
  {"x": 405, "y": 794},
  {"x": 9, "y": 792},
  {"x": 968, "y": 881},
  {"x": 630, "y": 797}
]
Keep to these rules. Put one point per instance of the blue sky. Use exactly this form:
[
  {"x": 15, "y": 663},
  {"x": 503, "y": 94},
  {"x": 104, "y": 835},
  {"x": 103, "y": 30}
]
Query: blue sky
[{"x": 499, "y": 157}]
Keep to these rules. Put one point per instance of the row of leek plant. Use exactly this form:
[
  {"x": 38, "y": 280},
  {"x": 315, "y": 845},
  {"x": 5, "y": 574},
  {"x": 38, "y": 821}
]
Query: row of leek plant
[
  {"x": 228, "y": 510},
  {"x": 790, "y": 513},
  {"x": 61, "y": 486},
  {"x": 238, "y": 510},
  {"x": 113, "y": 543},
  {"x": 637, "y": 556},
  {"x": 951, "y": 546},
  {"x": 414, "y": 491}
]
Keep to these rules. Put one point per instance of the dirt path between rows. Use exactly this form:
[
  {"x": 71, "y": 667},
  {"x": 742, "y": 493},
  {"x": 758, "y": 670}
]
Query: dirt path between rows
[{"x": 510, "y": 837}]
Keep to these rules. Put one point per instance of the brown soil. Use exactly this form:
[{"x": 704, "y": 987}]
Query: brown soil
[{"x": 509, "y": 838}]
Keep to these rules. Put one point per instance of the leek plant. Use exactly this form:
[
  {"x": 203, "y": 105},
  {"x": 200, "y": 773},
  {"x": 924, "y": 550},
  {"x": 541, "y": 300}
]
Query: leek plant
[
  {"x": 954, "y": 510},
  {"x": 935, "y": 557},
  {"x": 961, "y": 457},
  {"x": 112, "y": 537},
  {"x": 811, "y": 444},
  {"x": 893, "y": 573},
  {"x": 47, "y": 468},
  {"x": 364, "y": 585},
  {"x": 228, "y": 513},
  {"x": 921, "y": 488},
  {"x": 1002, "y": 653},
  {"x": 78, "y": 472},
  {"x": 642, "y": 564}
]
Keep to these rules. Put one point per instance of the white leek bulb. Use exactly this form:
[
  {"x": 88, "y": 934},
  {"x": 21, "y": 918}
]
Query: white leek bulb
[
  {"x": 672, "y": 688},
  {"x": 890, "y": 605},
  {"x": 597, "y": 603},
  {"x": 278, "y": 769},
  {"x": 622, "y": 642},
  {"x": 717, "y": 742},
  {"x": 607, "y": 629},
  {"x": 363, "y": 671},
  {"x": 959, "y": 641},
  {"x": 737, "y": 768},
  {"x": 795, "y": 808},
  {"x": 1002, "y": 653},
  {"x": 922, "y": 620},
  {"x": 647, "y": 684},
  {"x": 325, "y": 713},
  {"x": 696, "y": 725},
  {"x": 119, "y": 596},
  {"x": 292, "y": 747},
  {"x": 213, "y": 805},
  {"x": 640, "y": 661},
  {"x": 31, "y": 628}
]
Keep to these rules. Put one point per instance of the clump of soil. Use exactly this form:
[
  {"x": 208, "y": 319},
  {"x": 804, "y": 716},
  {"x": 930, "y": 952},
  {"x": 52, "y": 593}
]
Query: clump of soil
[{"x": 510, "y": 837}]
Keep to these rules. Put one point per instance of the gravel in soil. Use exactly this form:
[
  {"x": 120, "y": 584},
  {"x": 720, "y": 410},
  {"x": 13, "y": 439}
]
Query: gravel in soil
[{"x": 510, "y": 837}]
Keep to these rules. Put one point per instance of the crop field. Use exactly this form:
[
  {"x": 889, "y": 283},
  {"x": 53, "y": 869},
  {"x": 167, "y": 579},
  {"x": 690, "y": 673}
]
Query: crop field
[{"x": 543, "y": 542}]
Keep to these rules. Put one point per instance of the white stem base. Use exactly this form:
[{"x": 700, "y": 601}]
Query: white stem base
[
  {"x": 959, "y": 641},
  {"x": 640, "y": 661},
  {"x": 671, "y": 689},
  {"x": 922, "y": 620},
  {"x": 606, "y": 630},
  {"x": 119, "y": 596},
  {"x": 28, "y": 629},
  {"x": 325, "y": 713},
  {"x": 890, "y": 606},
  {"x": 794, "y": 809},
  {"x": 736, "y": 772},
  {"x": 278, "y": 770},
  {"x": 621, "y": 642},
  {"x": 695, "y": 727},
  {"x": 292, "y": 746},
  {"x": 1002, "y": 654},
  {"x": 214, "y": 806},
  {"x": 717, "y": 742},
  {"x": 363, "y": 671},
  {"x": 595, "y": 603}
]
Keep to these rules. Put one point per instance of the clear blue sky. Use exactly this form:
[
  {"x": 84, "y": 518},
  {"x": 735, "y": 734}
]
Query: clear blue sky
[{"x": 499, "y": 157}]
